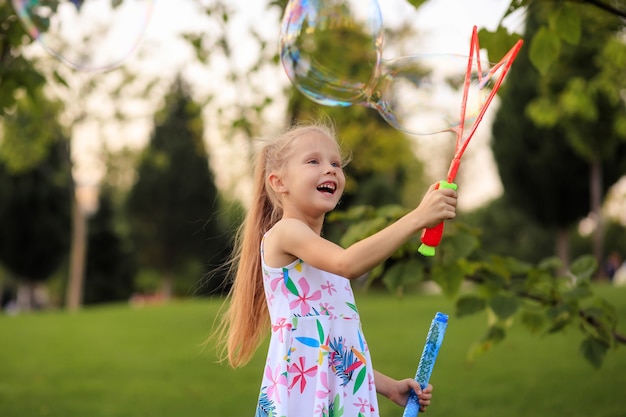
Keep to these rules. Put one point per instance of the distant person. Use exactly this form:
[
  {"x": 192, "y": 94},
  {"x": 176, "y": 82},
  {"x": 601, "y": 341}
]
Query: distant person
[
  {"x": 619, "y": 279},
  {"x": 613, "y": 262},
  {"x": 293, "y": 281}
]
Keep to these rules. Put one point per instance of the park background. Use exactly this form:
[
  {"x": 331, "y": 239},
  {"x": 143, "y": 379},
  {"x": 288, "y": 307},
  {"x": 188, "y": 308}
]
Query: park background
[{"x": 121, "y": 191}]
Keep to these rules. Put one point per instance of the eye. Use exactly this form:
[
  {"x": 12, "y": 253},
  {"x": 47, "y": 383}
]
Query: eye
[
  {"x": 336, "y": 164},
  {"x": 313, "y": 161}
]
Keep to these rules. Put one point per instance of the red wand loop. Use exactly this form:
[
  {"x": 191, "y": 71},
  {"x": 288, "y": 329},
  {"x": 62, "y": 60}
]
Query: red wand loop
[{"x": 432, "y": 237}]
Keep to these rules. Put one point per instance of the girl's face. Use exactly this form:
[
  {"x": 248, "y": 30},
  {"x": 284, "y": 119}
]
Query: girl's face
[{"x": 312, "y": 181}]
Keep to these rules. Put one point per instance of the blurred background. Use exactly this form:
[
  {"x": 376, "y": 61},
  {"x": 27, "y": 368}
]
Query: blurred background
[{"x": 123, "y": 183}]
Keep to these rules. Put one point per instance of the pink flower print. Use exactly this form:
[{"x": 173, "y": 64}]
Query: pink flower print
[
  {"x": 348, "y": 289},
  {"x": 321, "y": 410},
  {"x": 301, "y": 373},
  {"x": 363, "y": 404},
  {"x": 276, "y": 378},
  {"x": 370, "y": 381},
  {"x": 304, "y": 297},
  {"x": 276, "y": 282},
  {"x": 330, "y": 287},
  {"x": 325, "y": 309},
  {"x": 323, "y": 393},
  {"x": 279, "y": 326}
]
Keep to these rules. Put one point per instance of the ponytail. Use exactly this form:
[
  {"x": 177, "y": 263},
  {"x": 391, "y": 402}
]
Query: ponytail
[{"x": 246, "y": 320}]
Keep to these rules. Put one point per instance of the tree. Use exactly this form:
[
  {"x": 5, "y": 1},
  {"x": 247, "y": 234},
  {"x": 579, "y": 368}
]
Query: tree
[
  {"x": 17, "y": 72},
  {"x": 111, "y": 265},
  {"x": 173, "y": 206},
  {"x": 544, "y": 159},
  {"x": 563, "y": 25},
  {"x": 36, "y": 194}
]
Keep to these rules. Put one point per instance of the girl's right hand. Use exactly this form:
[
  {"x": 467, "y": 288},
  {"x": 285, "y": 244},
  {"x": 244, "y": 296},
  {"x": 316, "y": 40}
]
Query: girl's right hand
[{"x": 437, "y": 205}]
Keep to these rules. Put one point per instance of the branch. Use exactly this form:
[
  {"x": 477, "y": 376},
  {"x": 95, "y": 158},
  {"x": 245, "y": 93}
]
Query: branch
[
  {"x": 618, "y": 337},
  {"x": 606, "y": 7}
]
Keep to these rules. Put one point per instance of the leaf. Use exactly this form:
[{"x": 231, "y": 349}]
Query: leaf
[
  {"x": 494, "y": 335},
  {"x": 566, "y": 22},
  {"x": 594, "y": 350},
  {"x": 458, "y": 246},
  {"x": 504, "y": 306},
  {"x": 584, "y": 267},
  {"x": 544, "y": 49},
  {"x": 469, "y": 304},
  {"x": 416, "y": 3},
  {"x": 561, "y": 316},
  {"x": 496, "y": 43},
  {"x": 550, "y": 264},
  {"x": 532, "y": 320},
  {"x": 543, "y": 111},
  {"x": 403, "y": 273},
  {"x": 449, "y": 278}
]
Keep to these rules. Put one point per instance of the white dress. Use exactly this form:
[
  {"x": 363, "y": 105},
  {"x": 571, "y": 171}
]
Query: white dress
[{"x": 318, "y": 363}]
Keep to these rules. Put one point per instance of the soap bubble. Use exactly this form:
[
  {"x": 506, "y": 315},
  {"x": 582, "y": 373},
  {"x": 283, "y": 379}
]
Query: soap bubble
[
  {"x": 423, "y": 94},
  {"x": 332, "y": 52},
  {"x": 88, "y": 35},
  {"x": 331, "y": 49}
]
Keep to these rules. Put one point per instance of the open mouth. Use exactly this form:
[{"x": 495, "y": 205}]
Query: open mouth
[{"x": 327, "y": 187}]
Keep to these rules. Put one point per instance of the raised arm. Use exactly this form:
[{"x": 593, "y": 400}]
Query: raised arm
[{"x": 294, "y": 238}]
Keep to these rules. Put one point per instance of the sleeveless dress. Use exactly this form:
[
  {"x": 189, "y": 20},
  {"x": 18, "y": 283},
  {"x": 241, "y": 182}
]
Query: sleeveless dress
[{"x": 318, "y": 363}]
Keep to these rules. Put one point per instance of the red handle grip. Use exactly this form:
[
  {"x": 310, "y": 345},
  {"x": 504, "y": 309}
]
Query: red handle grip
[{"x": 431, "y": 237}]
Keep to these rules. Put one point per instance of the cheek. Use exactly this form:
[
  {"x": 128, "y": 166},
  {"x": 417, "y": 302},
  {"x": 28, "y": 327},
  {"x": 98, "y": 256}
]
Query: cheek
[{"x": 342, "y": 180}]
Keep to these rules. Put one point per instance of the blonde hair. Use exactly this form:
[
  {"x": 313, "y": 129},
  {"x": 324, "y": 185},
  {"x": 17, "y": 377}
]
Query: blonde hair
[{"x": 246, "y": 320}]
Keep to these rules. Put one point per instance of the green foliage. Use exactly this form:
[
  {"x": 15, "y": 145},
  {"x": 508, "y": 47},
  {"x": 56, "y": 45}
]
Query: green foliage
[
  {"x": 111, "y": 263},
  {"x": 509, "y": 289},
  {"x": 173, "y": 206},
  {"x": 18, "y": 77},
  {"x": 564, "y": 24},
  {"x": 36, "y": 192}
]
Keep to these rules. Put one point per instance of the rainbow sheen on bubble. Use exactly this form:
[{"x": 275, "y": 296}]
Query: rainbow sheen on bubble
[
  {"x": 332, "y": 50},
  {"x": 423, "y": 94},
  {"x": 88, "y": 35}
]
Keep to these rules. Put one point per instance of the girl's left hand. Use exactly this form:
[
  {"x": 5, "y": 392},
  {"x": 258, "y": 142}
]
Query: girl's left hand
[{"x": 400, "y": 394}]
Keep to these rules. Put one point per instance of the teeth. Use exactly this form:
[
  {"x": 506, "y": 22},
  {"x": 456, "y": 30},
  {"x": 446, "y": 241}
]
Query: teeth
[{"x": 327, "y": 187}]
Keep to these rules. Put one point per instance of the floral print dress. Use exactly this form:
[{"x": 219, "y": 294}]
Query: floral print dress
[{"x": 318, "y": 363}]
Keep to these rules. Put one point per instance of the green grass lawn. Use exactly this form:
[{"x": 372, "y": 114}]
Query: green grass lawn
[{"x": 147, "y": 362}]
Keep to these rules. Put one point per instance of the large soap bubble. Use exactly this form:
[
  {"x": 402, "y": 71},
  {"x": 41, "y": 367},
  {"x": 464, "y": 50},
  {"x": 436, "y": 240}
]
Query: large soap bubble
[
  {"x": 88, "y": 35},
  {"x": 332, "y": 50}
]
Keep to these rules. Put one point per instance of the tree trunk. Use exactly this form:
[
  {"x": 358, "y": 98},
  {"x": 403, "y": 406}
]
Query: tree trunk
[
  {"x": 596, "y": 211},
  {"x": 562, "y": 248},
  {"x": 167, "y": 286},
  {"x": 74, "y": 293}
]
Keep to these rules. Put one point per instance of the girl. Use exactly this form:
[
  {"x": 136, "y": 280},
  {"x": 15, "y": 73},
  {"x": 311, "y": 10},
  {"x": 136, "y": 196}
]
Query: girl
[{"x": 296, "y": 283}]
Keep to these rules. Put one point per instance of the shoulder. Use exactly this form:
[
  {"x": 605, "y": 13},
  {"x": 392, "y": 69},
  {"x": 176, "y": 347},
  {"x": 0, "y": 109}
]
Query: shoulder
[{"x": 282, "y": 239}]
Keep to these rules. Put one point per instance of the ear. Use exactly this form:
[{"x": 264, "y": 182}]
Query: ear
[{"x": 277, "y": 184}]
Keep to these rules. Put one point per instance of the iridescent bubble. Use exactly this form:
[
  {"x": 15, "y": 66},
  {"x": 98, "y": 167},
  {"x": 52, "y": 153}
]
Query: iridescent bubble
[
  {"x": 331, "y": 49},
  {"x": 88, "y": 35},
  {"x": 424, "y": 94},
  {"x": 332, "y": 52}
]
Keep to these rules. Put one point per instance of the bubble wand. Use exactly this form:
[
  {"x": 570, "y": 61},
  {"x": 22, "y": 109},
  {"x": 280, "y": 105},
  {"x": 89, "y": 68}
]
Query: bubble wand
[
  {"x": 429, "y": 355},
  {"x": 431, "y": 237}
]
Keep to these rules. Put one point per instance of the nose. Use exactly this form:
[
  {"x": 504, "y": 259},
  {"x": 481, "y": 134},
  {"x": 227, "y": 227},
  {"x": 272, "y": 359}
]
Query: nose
[{"x": 331, "y": 169}]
